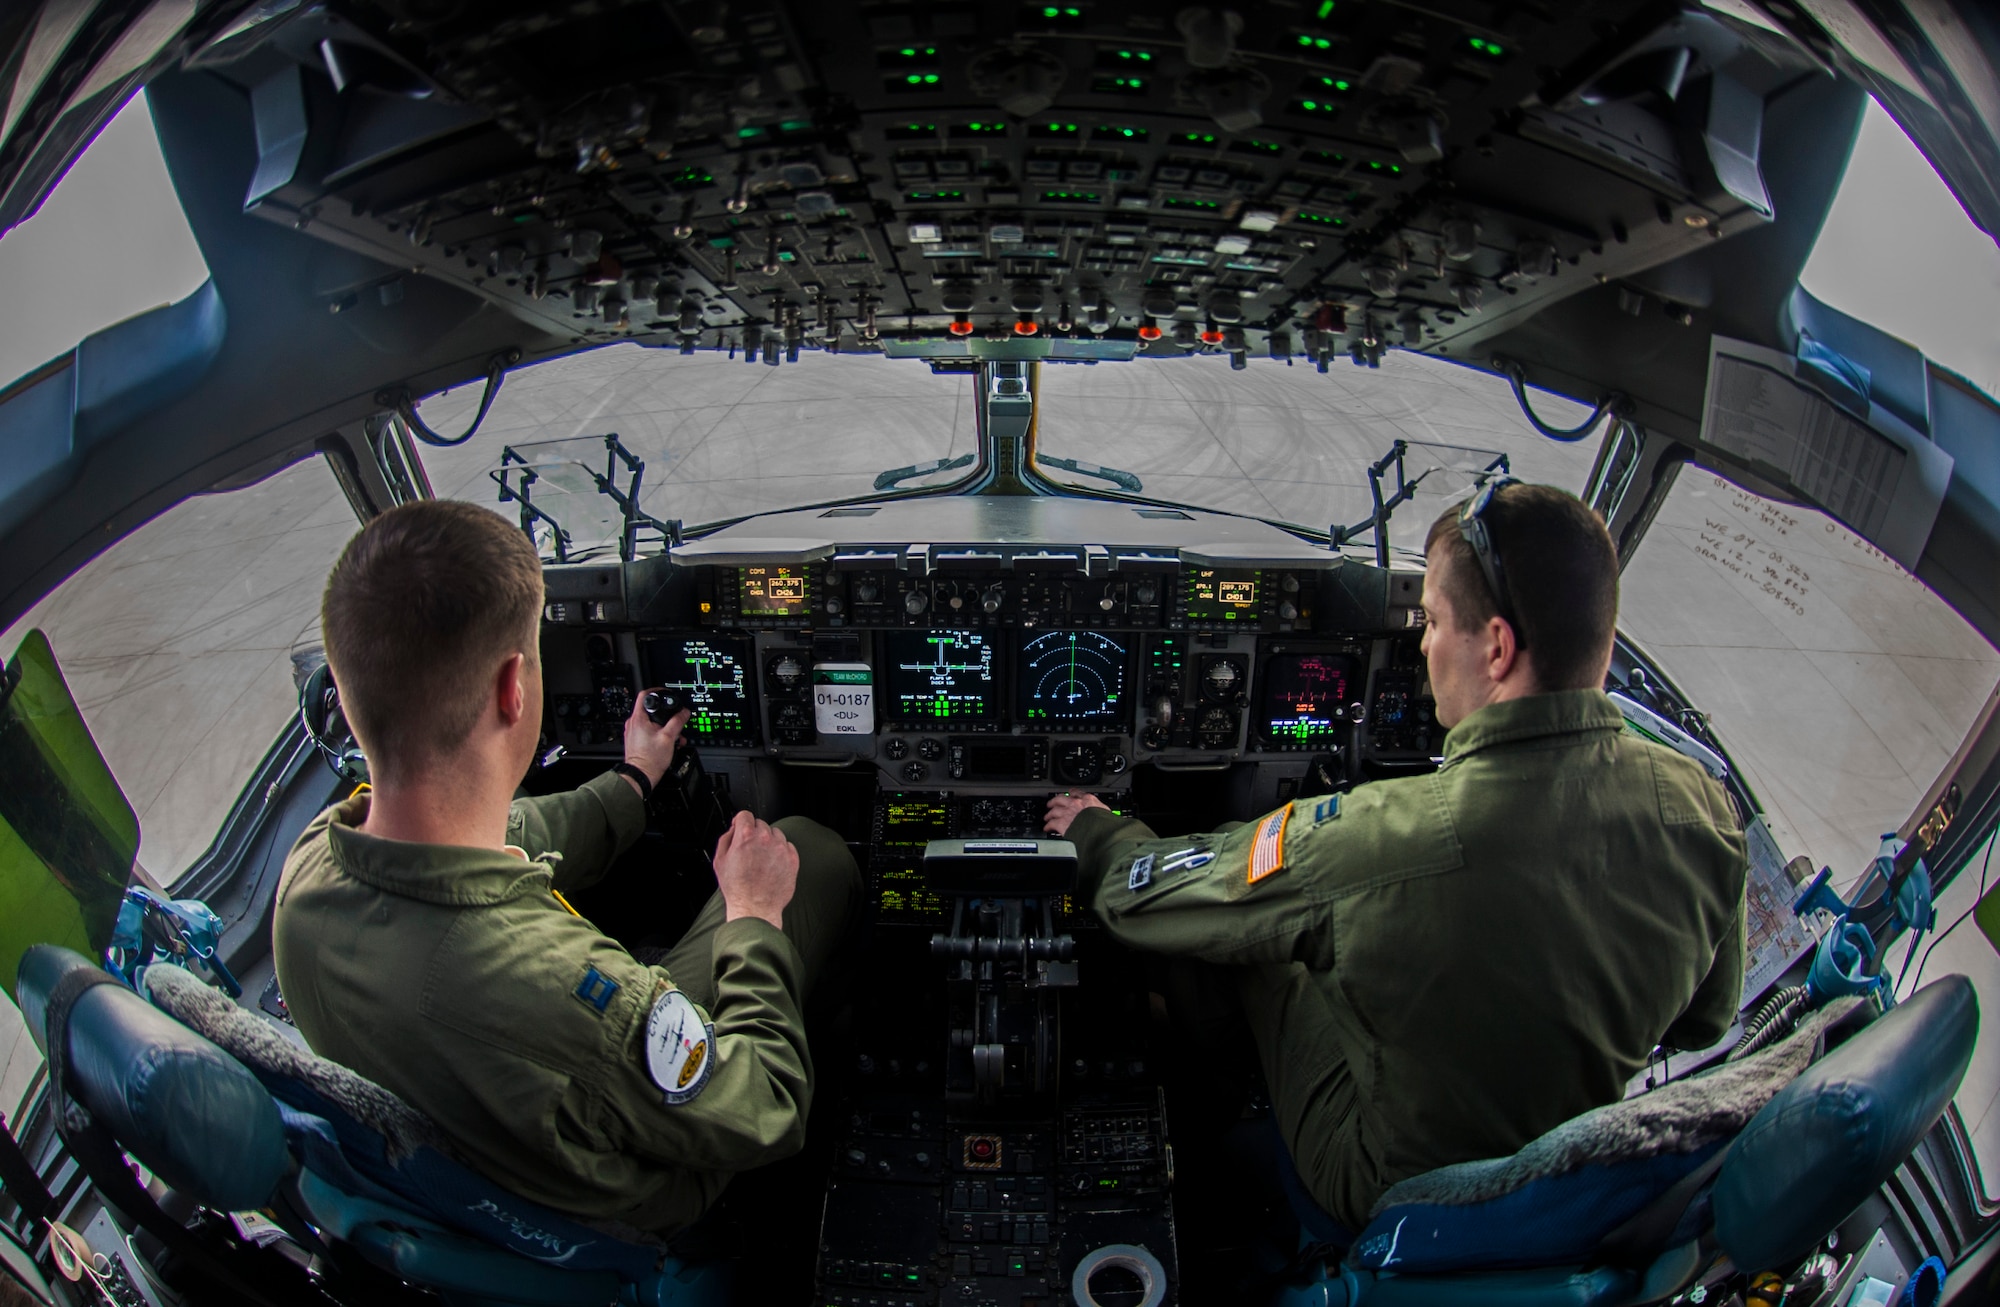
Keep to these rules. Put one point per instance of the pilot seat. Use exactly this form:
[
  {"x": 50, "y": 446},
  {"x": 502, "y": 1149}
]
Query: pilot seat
[
  {"x": 234, "y": 1117},
  {"x": 1755, "y": 1161}
]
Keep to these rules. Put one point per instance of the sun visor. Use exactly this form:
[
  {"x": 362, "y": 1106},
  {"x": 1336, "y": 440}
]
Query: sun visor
[
  {"x": 1807, "y": 426},
  {"x": 68, "y": 837}
]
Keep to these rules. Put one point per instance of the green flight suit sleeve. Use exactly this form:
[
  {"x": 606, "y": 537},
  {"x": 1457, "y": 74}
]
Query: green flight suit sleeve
[
  {"x": 752, "y": 1110},
  {"x": 1197, "y": 897},
  {"x": 587, "y": 827},
  {"x": 1713, "y": 1009}
]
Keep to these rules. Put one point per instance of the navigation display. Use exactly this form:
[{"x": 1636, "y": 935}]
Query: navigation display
[
  {"x": 942, "y": 678},
  {"x": 772, "y": 592},
  {"x": 1305, "y": 695},
  {"x": 1217, "y": 595},
  {"x": 1072, "y": 680},
  {"x": 709, "y": 672}
]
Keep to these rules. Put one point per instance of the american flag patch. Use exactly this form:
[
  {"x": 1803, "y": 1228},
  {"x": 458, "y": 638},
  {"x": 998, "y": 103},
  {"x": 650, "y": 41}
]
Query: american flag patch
[{"x": 1267, "y": 853}]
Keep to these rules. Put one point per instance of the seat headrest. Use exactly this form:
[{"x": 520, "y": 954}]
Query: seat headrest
[
  {"x": 193, "y": 1114},
  {"x": 1835, "y": 1134}
]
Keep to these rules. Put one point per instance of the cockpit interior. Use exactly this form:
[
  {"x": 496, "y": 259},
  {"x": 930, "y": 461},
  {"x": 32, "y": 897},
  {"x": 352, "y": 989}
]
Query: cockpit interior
[{"x": 970, "y": 402}]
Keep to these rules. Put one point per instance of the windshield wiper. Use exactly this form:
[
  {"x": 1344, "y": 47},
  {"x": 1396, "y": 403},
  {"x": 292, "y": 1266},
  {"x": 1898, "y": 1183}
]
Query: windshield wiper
[
  {"x": 887, "y": 480},
  {"x": 1125, "y": 481}
]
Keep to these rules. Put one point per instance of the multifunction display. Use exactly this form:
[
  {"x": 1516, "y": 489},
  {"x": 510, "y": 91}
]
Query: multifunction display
[
  {"x": 1211, "y": 595},
  {"x": 710, "y": 674},
  {"x": 1073, "y": 680},
  {"x": 778, "y": 591},
  {"x": 942, "y": 678},
  {"x": 1305, "y": 698}
]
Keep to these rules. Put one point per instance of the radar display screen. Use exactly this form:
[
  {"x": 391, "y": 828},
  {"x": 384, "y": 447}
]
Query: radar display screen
[
  {"x": 710, "y": 673},
  {"x": 772, "y": 592},
  {"x": 1073, "y": 680},
  {"x": 1216, "y": 595},
  {"x": 942, "y": 678},
  {"x": 1305, "y": 697}
]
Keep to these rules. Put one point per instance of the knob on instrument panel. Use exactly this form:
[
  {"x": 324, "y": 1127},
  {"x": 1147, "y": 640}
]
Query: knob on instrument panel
[{"x": 915, "y": 602}]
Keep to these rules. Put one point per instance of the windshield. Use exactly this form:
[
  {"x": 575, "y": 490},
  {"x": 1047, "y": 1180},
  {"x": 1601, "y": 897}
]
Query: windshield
[
  {"x": 719, "y": 438},
  {"x": 1292, "y": 444},
  {"x": 1839, "y": 682}
]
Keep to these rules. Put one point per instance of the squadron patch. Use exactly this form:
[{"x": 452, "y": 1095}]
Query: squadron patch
[
  {"x": 1141, "y": 874},
  {"x": 680, "y": 1051},
  {"x": 1267, "y": 852}
]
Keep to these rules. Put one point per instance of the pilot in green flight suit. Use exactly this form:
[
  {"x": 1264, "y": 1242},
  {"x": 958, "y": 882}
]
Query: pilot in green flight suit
[
  {"x": 1440, "y": 968},
  {"x": 421, "y": 939}
]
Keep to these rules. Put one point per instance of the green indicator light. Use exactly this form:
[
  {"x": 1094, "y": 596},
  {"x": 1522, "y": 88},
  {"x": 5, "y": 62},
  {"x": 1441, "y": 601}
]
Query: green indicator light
[
  {"x": 1072, "y": 13},
  {"x": 1325, "y": 8},
  {"x": 795, "y": 125},
  {"x": 1051, "y": 12},
  {"x": 1315, "y": 43},
  {"x": 1132, "y": 83},
  {"x": 745, "y": 133},
  {"x": 1335, "y": 83},
  {"x": 908, "y": 53},
  {"x": 914, "y": 79},
  {"x": 1308, "y": 104},
  {"x": 930, "y": 79}
]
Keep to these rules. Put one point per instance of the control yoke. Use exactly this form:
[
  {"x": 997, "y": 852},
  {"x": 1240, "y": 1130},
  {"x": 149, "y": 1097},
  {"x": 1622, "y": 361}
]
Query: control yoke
[
  {"x": 687, "y": 784},
  {"x": 1005, "y": 959}
]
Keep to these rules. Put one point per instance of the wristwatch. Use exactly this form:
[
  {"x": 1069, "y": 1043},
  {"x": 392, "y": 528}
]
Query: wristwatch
[{"x": 639, "y": 778}]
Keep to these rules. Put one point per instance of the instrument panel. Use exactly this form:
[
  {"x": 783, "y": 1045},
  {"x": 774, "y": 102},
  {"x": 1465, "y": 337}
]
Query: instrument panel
[
  {"x": 872, "y": 589},
  {"x": 1053, "y": 670}
]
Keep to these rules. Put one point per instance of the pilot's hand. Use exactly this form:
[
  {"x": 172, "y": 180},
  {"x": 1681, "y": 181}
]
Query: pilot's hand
[
  {"x": 1063, "y": 809},
  {"x": 648, "y": 745},
  {"x": 756, "y": 870}
]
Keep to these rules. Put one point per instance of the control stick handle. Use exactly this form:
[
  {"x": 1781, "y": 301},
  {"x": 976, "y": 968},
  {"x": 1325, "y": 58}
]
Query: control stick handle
[{"x": 661, "y": 705}]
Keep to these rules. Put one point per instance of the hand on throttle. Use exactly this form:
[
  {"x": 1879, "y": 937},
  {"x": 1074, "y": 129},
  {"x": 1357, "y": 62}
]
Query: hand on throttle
[
  {"x": 1063, "y": 809},
  {"x": 756, "y": 870}
]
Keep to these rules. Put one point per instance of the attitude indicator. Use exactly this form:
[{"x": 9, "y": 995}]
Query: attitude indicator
[
  {"x": 942, "y": 678},
  {"x": 708, "y": 673},
  {"x": 1074, "y": 680}
]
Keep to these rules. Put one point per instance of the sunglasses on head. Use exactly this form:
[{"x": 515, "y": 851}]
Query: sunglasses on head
[{"x": 1478, "y": 533}]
